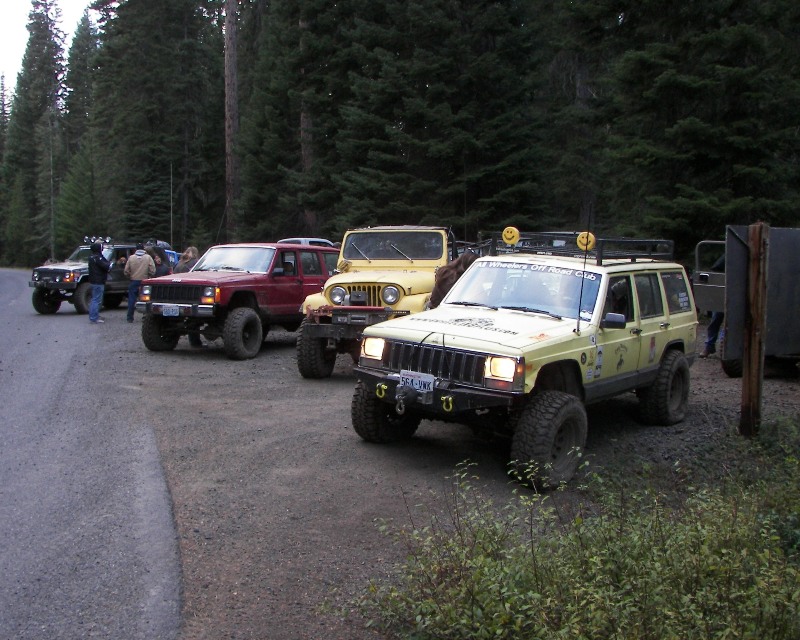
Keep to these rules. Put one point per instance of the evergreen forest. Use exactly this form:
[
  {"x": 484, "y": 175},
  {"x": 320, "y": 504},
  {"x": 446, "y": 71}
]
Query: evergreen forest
[{"x": 209, "y": 121}]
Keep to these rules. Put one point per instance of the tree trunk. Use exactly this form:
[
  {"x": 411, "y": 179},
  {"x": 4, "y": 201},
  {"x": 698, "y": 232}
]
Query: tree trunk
[
  {"x": 306, "y": 148},
  {"x": 231, "y": 121}
]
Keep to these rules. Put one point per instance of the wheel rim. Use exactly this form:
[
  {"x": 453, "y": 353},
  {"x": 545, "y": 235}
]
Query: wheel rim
[
  {"x": 676, "y": 391},
  {"x": 565, "y": 442},
  {"x": 250, "y": 335}
]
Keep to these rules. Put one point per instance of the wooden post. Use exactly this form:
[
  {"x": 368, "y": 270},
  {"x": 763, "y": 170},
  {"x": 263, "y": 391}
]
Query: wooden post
[{"x": 754, "y": 329}]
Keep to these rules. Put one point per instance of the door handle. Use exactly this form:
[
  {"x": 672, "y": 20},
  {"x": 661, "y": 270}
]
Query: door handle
[
  {"x": 664, "y": 325},
  {"x": 635, "y": 331}
]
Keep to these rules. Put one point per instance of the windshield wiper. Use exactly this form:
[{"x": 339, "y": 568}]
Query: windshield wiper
[
  {"x": 467, "y": 303},
  {"x": 355, "y": 246},
  {"x": 401, "y": 252},
  {"x": 532, "y": 310},
  {"x": 226, "y": 267}
]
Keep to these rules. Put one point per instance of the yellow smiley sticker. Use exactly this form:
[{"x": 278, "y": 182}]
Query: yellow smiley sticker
[
  {"x": 585, "y": 241},
  {"x": 510, "y": 235}
]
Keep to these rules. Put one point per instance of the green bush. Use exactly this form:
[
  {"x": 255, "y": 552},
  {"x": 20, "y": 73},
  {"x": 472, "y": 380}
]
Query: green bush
[{"x": 716, "y": 568}]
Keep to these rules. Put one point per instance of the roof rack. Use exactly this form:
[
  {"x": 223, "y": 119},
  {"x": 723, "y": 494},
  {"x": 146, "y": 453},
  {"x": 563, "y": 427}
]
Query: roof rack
[{"x": 566, "y": 244}]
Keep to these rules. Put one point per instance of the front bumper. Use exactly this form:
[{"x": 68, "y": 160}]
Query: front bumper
[
  {"x": 445, "y": 399},
  {"x": 50, "y": 284},
  {"x": 347, "y": 322},
  {"x": 177, "y": 310}
]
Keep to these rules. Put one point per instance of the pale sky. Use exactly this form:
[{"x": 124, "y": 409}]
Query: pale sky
[{"x": 14, "y": 33}]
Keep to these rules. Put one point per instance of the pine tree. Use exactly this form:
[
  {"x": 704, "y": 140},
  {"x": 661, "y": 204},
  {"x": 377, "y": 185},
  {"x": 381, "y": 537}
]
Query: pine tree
[
  {"x": 158, "y": 116},
  {"x": 703, "y": 105},
  {"x": 27, "y": 164}
]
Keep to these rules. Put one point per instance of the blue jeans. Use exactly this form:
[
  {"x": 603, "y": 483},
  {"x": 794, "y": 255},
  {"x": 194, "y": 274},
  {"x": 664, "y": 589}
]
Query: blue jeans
[
  {"x": 96, "y": 302},
  {"x": 713, "y": 331},
  {"x": 133, "y": 294}
]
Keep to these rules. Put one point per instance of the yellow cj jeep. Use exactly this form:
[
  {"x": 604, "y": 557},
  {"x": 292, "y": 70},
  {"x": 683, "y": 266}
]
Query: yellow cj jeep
[
  {"x": 527, "y": 338},
  {"x": 383, "y": 272}
]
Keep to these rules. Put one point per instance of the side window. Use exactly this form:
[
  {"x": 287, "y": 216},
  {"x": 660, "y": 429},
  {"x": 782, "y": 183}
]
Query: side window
[
  {"x": 677, "y": 290},
  {"x": 310, "y": 263},
  {"x": 649, "y": 294},
  {"x": 289, "y": 263},
  {"x": 619, "y": 298},
  {"x": 331, "y": 260}
]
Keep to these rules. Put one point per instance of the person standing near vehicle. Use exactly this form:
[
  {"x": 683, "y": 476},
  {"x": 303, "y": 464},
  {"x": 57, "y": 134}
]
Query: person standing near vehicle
[
  {"x": 187, "y": 260},
  {"x": 98, "y": 273},
  {"x": 139, "y": 266}
]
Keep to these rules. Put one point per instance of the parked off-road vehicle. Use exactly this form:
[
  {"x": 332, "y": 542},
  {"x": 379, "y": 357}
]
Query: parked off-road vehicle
[
  {"x": 383, "y": 272},
  {"x": 68, "y": 281},
  {"x": 235, "y": 292},
  {"x": 525, "y": 340}
]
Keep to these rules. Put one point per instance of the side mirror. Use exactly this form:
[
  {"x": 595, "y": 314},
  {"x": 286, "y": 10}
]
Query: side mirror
[{"x": 613, "y": 321}]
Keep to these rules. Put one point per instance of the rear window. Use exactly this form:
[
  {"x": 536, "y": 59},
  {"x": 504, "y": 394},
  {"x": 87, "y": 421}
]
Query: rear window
[{"x": 677, "y": 291}]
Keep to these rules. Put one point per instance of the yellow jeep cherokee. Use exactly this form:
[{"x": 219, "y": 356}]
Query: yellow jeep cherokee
[
  {"x": 527, "y": 338},
  {"x": 383, "y": 272}
]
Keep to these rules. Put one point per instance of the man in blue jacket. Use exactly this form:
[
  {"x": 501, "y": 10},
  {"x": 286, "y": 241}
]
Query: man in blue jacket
[{"x": 98, "y": 273}]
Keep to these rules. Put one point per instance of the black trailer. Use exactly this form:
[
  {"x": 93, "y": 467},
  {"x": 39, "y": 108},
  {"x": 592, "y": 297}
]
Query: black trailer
[{"x": 721, "y": 285}]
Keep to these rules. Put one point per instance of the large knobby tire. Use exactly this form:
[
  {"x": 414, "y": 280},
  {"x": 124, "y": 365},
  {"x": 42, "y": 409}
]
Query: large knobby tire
[
  {"x": 549, "y": 437},
  {"x": 113, "y": 300},
  {"x": 377, "y": 421},
  {"x": 242, "y": 334},
  {"x": 156, "y": 335},
  {"x": 667, "y": 399},
  {"x": 82, "y": 297},
  {"x": 313, "y": 359},
  {"x": 732, "y": 368},
  {"x": 45, "y": 301}
]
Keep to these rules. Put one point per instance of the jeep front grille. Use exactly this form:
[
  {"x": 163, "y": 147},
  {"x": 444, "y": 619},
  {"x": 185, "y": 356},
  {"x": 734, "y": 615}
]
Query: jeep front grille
[
  {"x": 176, "y": 293},
  {"x": 373, "y": 292},
  {"x": 463, "y": 367}
]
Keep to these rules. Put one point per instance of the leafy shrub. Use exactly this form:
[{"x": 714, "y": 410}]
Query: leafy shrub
[{"x": 636, "y": 570}]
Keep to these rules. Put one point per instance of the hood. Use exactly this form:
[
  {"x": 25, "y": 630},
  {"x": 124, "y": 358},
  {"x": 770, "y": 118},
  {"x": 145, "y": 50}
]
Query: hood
[
  {"x": 410, "y": 279},
  {"x": 479, "y": 329},
  {"x": 67, "y": 265},
  {"x": 212, "y": 278}
]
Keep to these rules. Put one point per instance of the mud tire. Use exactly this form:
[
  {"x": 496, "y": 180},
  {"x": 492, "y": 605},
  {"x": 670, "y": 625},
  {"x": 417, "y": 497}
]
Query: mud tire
[
  {"x": 45, "y": 301},
  {"x": 314, "y": 361},
  {"x": 732, "y": 368},
  {"x": 156, "y": 335},
  {"x": 666, "y": 401},
  {"x": 242, "y": 334},
  {"x": 549, "y": 436},
  {"x": 377, "y": 421},
  {"x": 82, "y": 297}
]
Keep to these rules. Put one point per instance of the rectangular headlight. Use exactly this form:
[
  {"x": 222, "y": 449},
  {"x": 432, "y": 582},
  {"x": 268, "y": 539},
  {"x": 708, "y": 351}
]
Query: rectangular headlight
[
  {"x": 373, "y": 348},
  {"x": 502, "y": 372}
]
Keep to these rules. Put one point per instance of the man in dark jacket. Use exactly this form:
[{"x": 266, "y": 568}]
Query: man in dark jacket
[{"x": 98, "y": 272}]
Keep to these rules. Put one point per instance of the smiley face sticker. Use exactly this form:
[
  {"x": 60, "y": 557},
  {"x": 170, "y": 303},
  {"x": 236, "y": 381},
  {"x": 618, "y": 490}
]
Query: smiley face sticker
[
  {"x": 585, "y": 241},
  {"x": 510, "y": 235}
]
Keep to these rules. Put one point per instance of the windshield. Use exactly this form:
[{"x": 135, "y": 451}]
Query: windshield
[
  {"x": 528, "y": 287},
  {"x": 394, "y": 245},
  {"x": 249, "y": 259},
  {"x": 81, "y": 254}
]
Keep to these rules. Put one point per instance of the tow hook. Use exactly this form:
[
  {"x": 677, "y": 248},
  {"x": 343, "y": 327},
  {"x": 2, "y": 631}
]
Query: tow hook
[{"x": 404, "y": 395}]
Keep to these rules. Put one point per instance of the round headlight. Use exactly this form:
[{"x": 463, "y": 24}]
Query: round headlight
[
  {"x": 337, "y": 295},
  {"x": 390, "y": 294},
  {"x": 147, "y": 290}
]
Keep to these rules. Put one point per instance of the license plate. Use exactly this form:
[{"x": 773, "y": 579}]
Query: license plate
[
  {"x": 417, "y": 381},
  {"x": 171, "y": 310}
]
